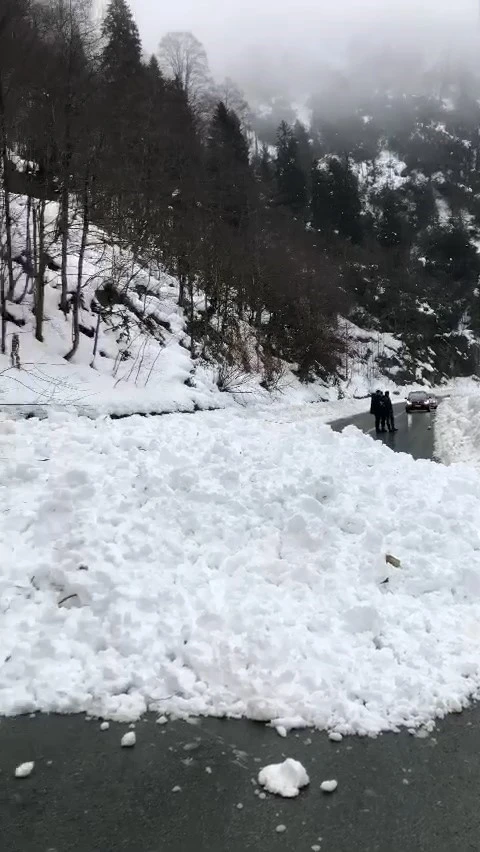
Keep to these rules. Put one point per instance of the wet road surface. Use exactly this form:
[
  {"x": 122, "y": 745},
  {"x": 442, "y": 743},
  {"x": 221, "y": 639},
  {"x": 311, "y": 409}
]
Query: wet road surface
[
  {"x": 415, "y": 431},
  {"x": 396, "y": 793}
]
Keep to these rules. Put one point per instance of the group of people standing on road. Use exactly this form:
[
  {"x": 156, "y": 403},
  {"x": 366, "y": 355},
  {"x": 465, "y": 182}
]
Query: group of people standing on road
[{"x": 382, "y": 409}]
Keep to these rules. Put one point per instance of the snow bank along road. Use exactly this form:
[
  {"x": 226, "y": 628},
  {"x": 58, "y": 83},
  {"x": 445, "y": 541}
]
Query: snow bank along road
[{"x": 234, "y": 564}]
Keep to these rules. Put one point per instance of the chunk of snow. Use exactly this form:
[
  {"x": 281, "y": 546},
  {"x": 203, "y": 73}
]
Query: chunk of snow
[
  {"x": 176, "y": 789},
  {"x": 162, "y": 720},
  {"x": 329, "y": 786},
  {"x": 280, "y": 829},
  {"x": 129, "y": 739},
  {"x": 281, "y": 731},
  {"x": 335, "y": 737},
  {"x": 104, "y": 726},
  {"x": 24, "y": 769},
  {"x": 208, "y": 770},
  {"x": 240, "y": 806},
  {"x": 284, "y": 779}
]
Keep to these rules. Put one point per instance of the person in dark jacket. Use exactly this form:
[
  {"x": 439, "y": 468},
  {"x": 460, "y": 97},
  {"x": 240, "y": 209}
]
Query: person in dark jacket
[
  {"x": 389, "y": 413},
  {"x": 378, "y": 409}
]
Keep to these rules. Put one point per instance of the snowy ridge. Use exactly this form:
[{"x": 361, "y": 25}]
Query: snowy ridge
[{"x": 228, "y": 564}]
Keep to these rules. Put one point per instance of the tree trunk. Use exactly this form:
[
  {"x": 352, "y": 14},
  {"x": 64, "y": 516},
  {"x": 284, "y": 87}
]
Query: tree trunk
[
  {"x": 65, "y": 195},
  {"x": 81, "y": 257},
  {"x": 40, "y": 277},
  {"x": 28, "y": 252},
  {"x": 6, "y": 192},
  {"x": 95, "y": 342},
  {"x": 3, "y": 309},
  {"x": 192, "y": 317}
]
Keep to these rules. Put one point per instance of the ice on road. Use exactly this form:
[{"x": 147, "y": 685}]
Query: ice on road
[{"x": 231, "y": 564}]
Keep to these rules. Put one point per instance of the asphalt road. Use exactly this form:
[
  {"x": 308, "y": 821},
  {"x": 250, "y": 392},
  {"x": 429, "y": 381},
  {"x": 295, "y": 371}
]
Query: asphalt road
[
  {"x": 414, "y": 436},
  {"x": 397, "y": 793}
]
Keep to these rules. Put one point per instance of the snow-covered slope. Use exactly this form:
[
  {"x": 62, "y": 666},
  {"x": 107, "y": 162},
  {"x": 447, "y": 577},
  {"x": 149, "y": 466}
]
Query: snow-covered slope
[
  {"x": 232, "y": 564},
  {"x": 143, "y": 362}
]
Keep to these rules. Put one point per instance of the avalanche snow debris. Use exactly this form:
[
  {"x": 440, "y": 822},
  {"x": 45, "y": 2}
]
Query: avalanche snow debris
[
  {"x": 129, "y": 739},
  {"x": 280, "y": 829},
  {"x": 329, "y": 786},
  {"x": 335, "y": 737},
  {"x": 24, "y": 769},
  {"x": 284, "y": 779},
  {"x": 259, "y": 594},
  {"x": 104, "y": 726},
  {"x": 457, "y": 429}
]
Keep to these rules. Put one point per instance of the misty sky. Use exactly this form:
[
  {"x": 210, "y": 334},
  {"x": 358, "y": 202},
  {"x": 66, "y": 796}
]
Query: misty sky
[{"x": 246, "y": 37}]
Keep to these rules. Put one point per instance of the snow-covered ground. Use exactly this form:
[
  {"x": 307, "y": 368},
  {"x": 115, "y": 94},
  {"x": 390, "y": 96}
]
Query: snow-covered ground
[
  {"x": 143, "y": 362},
  {"x": 233, "y": 563},
  {"x": 457, "y": 428}
]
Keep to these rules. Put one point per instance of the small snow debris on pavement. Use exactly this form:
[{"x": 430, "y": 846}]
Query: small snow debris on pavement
[
  {"x": 208, "y": 770},
  {"x": 104, "y": 726},
  {"x": 284, "y": 779},
  {"x": 240, "y": 806},
  {"x": 24, "y": 769},
  {"x": 335, "y": 737},
  {"x": 281, "y": 731},
  {"x": 280, "y": 829},
  {"x": 262, "y": 795},
  {"x": 191, "y": 746},
  {"x": 176, "y": 789},
  {"x": 129, "y": 739},
  {"x": 405, "y": 781},
  {"x": 162, "y": 720},
  {"x": 329, "y": 786},
  {"x": 315, "y": 847}
]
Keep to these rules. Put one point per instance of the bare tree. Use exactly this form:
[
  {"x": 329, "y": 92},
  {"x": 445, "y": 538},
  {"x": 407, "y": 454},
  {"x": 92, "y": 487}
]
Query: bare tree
[{"x": 184, "y": 59}]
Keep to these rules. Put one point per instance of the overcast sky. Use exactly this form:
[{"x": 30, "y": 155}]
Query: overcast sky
[{"x": 239, "y": 33}]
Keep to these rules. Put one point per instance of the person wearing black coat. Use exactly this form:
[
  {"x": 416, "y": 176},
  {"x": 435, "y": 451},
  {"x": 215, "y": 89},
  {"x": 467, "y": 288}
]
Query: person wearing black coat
[
  {"x": 389, "y": 413},
  {"x": 379, "y": 411}
]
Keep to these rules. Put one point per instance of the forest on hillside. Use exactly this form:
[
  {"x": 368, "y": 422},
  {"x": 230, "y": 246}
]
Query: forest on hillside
[{"x": 371, "y": 213}]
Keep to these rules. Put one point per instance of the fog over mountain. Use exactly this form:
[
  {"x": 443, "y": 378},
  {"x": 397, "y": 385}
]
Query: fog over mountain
[{"x": 285, "y": 46}]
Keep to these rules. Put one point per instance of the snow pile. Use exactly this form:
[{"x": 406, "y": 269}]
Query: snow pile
[
  {"x": 284, "y": 779},
  {"x": 457, "y": 430},
  {"x": 329, "y": 786},
  {"x": 227, "y": 564},
  {"x": 24, "y": 769}
]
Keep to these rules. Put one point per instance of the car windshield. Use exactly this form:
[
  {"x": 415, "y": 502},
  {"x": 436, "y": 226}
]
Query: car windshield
[{"x": 417, "y": 396}]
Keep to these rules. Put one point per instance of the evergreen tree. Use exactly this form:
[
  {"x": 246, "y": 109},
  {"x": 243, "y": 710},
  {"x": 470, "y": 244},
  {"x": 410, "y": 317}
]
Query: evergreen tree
[
  {"x": 291, "y": 180},
  {"x": 121, "y": 55},
  {"x": 336, "y": 204},
  {"x": 393, "y": 230},
  {"x": 228, "y": 166}
]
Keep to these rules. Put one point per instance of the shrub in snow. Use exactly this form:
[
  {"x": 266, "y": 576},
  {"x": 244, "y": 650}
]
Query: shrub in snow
[{"x": 284, "y": 779}]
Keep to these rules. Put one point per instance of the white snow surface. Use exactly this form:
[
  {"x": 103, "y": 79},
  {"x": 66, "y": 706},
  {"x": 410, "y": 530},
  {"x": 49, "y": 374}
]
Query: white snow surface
[
  {"x": 232, "y": 563},
  {"x": 457, "y": 429},
  {"x": 284, "y": 779}
]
